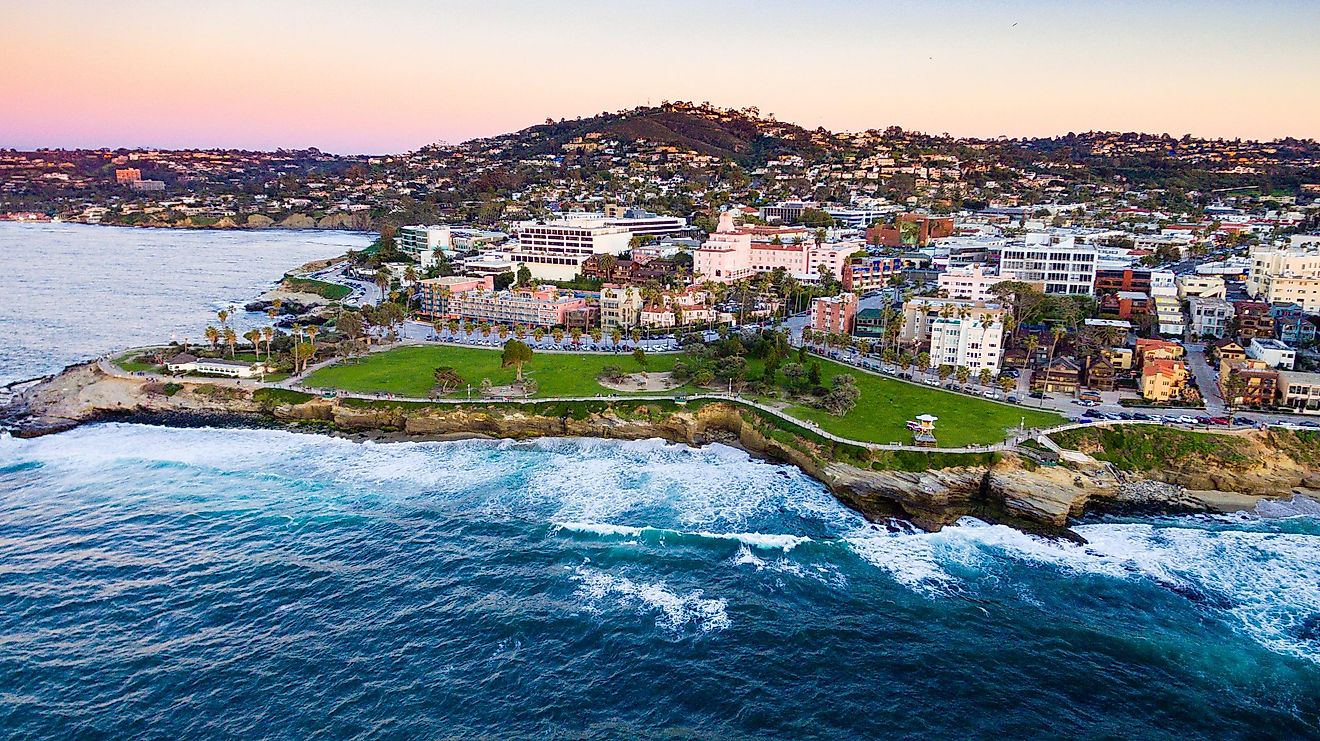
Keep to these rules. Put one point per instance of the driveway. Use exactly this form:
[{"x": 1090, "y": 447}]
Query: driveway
[{"x": 1205, "y": 380}]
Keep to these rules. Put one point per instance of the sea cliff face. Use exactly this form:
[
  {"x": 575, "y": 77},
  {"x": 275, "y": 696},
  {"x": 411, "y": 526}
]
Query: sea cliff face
[{"x": 930, "y": 489}]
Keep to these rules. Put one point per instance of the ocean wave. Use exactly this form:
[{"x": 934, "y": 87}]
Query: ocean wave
[
  {"x": 674, "y": 612},
  {"x": 769, "y": 541}
]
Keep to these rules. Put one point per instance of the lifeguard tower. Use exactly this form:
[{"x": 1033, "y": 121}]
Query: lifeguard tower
[{"x": 923, "y": 429}]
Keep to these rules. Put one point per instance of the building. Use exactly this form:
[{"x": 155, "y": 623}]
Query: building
[
  {"x": 1253, "y": 319},
  {"x": 1126, "y": 304},
  {"x": 127, "y": 175},
  {"x": 1163, "y": 380},
  {"x": 910, "y": 230},
  {"x": 870, "y": 323},
  {"x": 855, "y": 217},
  {"x": 971, "y": 283},
  {"x": 185, "y": 363},
  {"x": 1116, "y": 330},
  {"x": 1208, "y": 286},
  {"x": 1112, "y": 280},
  {"x": 1057, "y": 262},
  {"x": 1272, "y": 353},
  {"x": 620, "y": 306},
  {"x": 1209, "y": 317},
  {"x": 1098, "y": 373},
  {"x": 954, "y": 332},
  {"x": 1119, "y": 358},
  {"x": 435, "y": 293},
  {"x": 1155, "y": 349},
  {"x": 147, "y": 185},
  {"x": 556, "y": 251},
  {"x": 1299, "y": 392},
  {"x": 869, "y": 273},
  {"x": 543, "y": 306},
  {"x": 1286, "y": 275},
  {"x": 1059, "y": 376},
  {"x": 834, "y": 314},
  {"x": 1225, "y": 349},
  {"x": 733, "y": 253},
  {"x": 422, "y": 242},
  {"x": 1169, "y": 316},
  {"x": 1247, "y": 383},
  {"x": 1292, "y": 324}
]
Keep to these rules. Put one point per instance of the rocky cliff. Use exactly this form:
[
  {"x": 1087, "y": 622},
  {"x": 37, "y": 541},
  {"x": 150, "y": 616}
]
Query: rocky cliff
[{"x": 931, "y": 489}]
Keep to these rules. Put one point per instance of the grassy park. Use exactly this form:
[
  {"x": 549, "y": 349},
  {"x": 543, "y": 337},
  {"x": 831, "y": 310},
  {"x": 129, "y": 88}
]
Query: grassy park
[
  {"x": 880, "y": 415},
  {"x": 409, "y": 371}
]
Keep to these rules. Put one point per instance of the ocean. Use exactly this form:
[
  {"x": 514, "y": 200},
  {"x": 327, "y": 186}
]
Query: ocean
[
  {"x": 74, "y": 291},
  {"x": 163, "y": 583}
]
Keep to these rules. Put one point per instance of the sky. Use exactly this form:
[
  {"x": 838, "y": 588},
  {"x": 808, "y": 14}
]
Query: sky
[{"x": 392, "y": 75}]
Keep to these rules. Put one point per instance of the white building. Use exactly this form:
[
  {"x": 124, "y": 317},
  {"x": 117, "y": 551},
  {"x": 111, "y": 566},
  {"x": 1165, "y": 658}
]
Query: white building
[
  {"x": 1272, "y": 352},
  {"x": 1209, "y": 286},
  {"x": 422, "y": 242},
  {"x": 1210, "y": 317},
  {"x": 1057, "y": 262},
  {"x": 1286, "y": 275},
  {"x": 1168, "y": 314},
  {"x": 955, "y": 332},
  {"x": 971, "y": 283},
  {"x": 556, "y": 251}
]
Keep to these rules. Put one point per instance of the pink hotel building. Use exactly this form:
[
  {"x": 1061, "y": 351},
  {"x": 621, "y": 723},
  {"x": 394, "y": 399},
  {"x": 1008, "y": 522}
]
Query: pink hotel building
[{"x": 733, "y": 253}]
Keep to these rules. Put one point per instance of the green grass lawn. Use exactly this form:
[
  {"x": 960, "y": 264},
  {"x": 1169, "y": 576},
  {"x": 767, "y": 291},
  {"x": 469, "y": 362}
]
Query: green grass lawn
[
  {"x": 409, "y": 371},
  {"x": 887, "y": 404},
  {"x": 332, "y": 291}
]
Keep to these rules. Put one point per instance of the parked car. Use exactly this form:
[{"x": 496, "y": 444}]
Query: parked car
[
  {"x": 1141, "y": 415},
  {"x": 1012, "y": 400},
  {"x": 1219, "y": 421},
  {"x": 1037, "y": 395},
  {"x": 1185, "y": 419}
]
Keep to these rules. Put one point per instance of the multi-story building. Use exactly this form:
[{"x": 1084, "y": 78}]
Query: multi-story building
[
  {"x": 862, "y": 274},
  {"x": 1169, "y": 316},
  {"x": 127, "y": 175},
  {"x": 1112, "y": 280},
  {"x": 1253, "y": 319},
  {"x": 1292, "y": 324},
  {"x": 436, "y": 293},
  {"x": 556, "y": 251},
  {"x": 1300, "y": 392},
  {"x": 955, "y": 332},
  {"x": 1163, "y": 380},
  {"x": 834, "y": 314},
  {"x": 856, "y": 217},
  {"x": 1057, "y": 262},
  {"x": 1272, "y": 353},
  {"x": 910, "y": 230},
  {"x": 733, "y": 253},
  {"x": 971, "y": 283},
  {"x": 620, "y": 306},
  {"x": 1210, "y": 317},
  {"x": 422, "y": 242},
  {"x": 1209, "y": 286},
  {"x": 544, "y": 306},
  {"x": 1248, "y": 383},
  {"x": 1288, "y": 275}
]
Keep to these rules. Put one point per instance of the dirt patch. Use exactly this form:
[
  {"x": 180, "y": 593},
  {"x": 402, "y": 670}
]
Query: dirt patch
[{"x": 642, "y": 382}]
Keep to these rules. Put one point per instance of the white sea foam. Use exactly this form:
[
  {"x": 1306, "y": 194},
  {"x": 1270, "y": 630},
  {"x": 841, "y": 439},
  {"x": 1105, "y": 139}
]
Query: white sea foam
[
  {"x": 675, "y": 612},
  {"x": 769, "y": 541},
  {"x": 1298, "y": 506}
]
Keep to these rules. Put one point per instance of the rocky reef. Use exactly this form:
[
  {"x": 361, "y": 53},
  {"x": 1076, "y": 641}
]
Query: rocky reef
[{"x": 931, "y": 489}]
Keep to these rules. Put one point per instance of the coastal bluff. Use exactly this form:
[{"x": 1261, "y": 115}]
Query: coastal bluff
[{"x": 929, "y": 488}]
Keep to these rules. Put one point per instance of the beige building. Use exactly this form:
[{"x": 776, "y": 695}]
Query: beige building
[
  {"x": 1204, "y": 286},
  {"x": 1300, "y": 391},
  {"x": 620, "y": 306},
  {"x": 955, "y": 332},
  {"x": 1286, "y": 275}
]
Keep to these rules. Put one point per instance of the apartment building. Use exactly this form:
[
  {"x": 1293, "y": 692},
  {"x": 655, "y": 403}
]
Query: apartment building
[
  {"x": 1208, "y": 286},
  {"x": 862, "y": 274},
  {"x": 834, "y": 314},
  {"x": 955, "y": 332},
  {"x": 437, "y": 293},
  {"x": 1057, "y": 261},
  {"x": 1163, "y": 380},
  {"x": 422, "y": 242},
  {"x": 1300, "y": 392},
  {"x": 971, "y": 283},
  {"x": 1209, "y": 317},
  {"x": 1286, "y": 275},
  {"x": 1271, "y": 352},
  {"x": 620, "y": 306},
  {"x": 544, "y": 306}
]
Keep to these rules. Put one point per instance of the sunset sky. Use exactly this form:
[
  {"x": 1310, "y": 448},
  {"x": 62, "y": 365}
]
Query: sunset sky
[{"x": 392, "y": 75}]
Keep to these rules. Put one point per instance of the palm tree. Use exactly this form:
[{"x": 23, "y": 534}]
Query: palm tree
[
  {"x": 558, "y": 335},
  {"x": 312, "y": 331},
  {"x": 213, "y": 337},
  {"x": 253, "y": 336},
  {"x": 268, "y": 334},
  {"x": 520, "y": 331},
  {"x": 223, "y": 315},
  {"x": 616, "y": 334},
  {"x": 502, "y": 331},
  {"x": 636, "y": 335},
  {"x": 485, "y": 329},
  {"x": 410, "y": 275},
  {"x": 452, "y": 326},
  {"x": 231, "y": 339},
  {"x": 575, "y": 335},
  {"x": 596, "y": 334},
  {"x": 538, "y": 334},
  {"x": 383, "y": 279}
]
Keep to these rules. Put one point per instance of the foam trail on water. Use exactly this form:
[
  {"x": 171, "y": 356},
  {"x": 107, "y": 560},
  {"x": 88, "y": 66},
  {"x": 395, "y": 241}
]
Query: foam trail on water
[{"x": 675, "y": 612}]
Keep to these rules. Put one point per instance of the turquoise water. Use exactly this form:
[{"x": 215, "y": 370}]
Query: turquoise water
[{"x": 193, "y": 583}]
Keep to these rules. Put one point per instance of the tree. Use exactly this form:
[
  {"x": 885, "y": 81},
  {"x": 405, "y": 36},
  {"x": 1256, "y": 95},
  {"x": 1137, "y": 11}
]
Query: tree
[
  {"x": 253, "y": 336},
  {"x": 383, "y": 279},
  {"x": 558, "y": 335},
  {"x": 1007, "y": 384},
  {"x": 231, "y": 339},
  {"x": 616, "y": 334},
  {"x": 923, "y": 360},
  {"x": 213, "y": 337},
  {"x": 502, "y": 331},
  {"x": 516, "y": 354},
  {"x": 575, "y": 336},
  {"x": 524, "y": 275},
  {"x": 944, "y": 371},
  {"x": 813, "y": 373},
  {"x": 268, "y": 334},
  {"x": 447, "y": 380},
  {"x": 842, "y": 396},
  {"x": 984, "y": 377},
  {"x": 963, "y": 374},
  {"x": 815, "y": 217},
  {"x": 640, "y": 356},
  {"x": 349, "y": 324}
]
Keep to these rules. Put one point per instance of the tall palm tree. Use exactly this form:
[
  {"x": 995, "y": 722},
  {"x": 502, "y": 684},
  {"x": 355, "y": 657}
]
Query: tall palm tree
[
  {"x": 231, "y": 339},
  {"x": 575, "y": 335},
  {"x": 616, "y": 334},
  {"x": 538, "y": 333},
  {"x": 213, "y": 337},
  {"x": 268, "y": 334},
  {"x": 223, "y": 315},
  {"x": 383, "y": 279},
  {"x": 253, "y": 336}
]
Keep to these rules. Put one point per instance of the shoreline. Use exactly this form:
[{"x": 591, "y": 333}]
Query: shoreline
[{"x": 929, "y": 489}]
